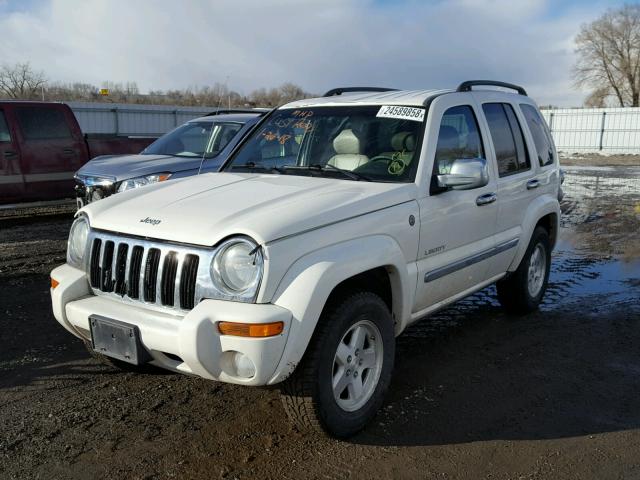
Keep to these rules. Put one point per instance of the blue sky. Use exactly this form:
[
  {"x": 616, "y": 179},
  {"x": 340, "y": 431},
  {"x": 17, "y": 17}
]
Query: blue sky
[
  {"x": 9, "y": 6},
  {"x": 318, "y": 44}
]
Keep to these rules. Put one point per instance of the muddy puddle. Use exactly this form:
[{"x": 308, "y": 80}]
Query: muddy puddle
[{"x": 596, "y": 261}]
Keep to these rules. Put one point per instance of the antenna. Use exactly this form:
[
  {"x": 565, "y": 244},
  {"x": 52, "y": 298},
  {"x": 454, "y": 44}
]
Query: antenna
[
  {"x": 219, "y": 100},
  {"x": 204, "y": 154}
]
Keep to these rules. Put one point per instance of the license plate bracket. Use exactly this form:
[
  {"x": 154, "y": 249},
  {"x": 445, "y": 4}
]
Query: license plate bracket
[{"x": 116, "y": 339}]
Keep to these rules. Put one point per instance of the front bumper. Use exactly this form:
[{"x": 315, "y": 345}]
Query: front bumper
[{"x": 188, "y": 344}]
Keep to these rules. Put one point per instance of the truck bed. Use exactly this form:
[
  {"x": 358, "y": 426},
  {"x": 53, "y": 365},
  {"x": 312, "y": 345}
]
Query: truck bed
[{"x": 105, "y": 144}]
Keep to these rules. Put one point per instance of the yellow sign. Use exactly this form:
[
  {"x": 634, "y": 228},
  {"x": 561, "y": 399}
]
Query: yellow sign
[{"x": 104, "y": 91}]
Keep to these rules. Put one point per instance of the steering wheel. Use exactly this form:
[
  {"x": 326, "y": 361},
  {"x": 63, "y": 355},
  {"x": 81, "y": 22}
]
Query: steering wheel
[
  {"x": 394, "y": 166},
  {"x": 380, "y": 158}
]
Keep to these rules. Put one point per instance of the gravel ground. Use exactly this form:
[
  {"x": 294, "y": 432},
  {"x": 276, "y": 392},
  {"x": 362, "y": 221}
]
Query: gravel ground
[
  {"x": 476, "y": 393},
  {"x": 595, "y": 159}
]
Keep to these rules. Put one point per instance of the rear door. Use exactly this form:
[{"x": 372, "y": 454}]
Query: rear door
[
  {"x": 51, "y": 150},
  {"x": 517, "y": 181},
  {"x": 456, "y": 226},
  {"x": 542, "y": 149},
  {"x": 11, "y": 181}
]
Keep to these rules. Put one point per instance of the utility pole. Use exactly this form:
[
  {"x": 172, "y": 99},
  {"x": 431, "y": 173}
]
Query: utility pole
[{"x": 226, "y": 84}]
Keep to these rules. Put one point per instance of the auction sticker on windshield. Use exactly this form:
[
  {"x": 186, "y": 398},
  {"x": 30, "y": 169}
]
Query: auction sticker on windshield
[{"x": 404, "y": 113}]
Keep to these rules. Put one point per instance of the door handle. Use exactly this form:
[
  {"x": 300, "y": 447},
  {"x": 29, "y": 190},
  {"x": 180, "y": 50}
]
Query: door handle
[
  {"x": 486, "y": 199},
  {"x": 68, "y": 151},
  {"x": 10, "y": 154},
  {"x": 531, "y": 184}
]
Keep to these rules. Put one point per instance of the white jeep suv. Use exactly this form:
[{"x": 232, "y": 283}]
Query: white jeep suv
[{"x": 334, "y": 225}]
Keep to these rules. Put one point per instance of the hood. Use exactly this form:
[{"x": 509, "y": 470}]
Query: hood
[
  {"x": 207, "y": 208},
  {"x": 122, "y": 167}
]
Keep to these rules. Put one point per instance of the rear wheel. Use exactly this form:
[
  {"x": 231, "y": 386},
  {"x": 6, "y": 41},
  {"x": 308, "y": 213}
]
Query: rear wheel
[
  {"x": 522, "y": 291},
  {"x": 341, "y": 382}
]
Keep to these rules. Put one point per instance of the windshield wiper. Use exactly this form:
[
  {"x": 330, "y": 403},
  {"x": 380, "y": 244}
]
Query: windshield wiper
[
  {"x": 316, "y": 167},
  {"x": 347, "y": 173},
  {"x": 254, "y": 166}
]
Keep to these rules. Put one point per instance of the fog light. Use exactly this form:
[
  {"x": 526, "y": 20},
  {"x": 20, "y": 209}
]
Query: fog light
[{"x": 243, "y": 365}]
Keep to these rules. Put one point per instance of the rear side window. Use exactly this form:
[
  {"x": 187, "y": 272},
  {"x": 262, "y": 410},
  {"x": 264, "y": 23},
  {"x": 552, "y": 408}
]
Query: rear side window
[
  {"x": 37, "y": 123},
  {"x": 508, "y": 140},
  {"x": 541, "y": 137},
  {"x": 459, "y": 137},
  {"x": 5, "y": 136}
]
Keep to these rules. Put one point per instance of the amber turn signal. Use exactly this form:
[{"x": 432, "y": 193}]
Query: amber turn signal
[
  {"x": 54, "y": 283},
  {"x": 251, "y": 329}
]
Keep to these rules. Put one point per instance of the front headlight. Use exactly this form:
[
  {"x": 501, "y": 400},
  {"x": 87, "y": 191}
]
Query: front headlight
[
  {"x": 237, "y": 268},
  {"x": 77, "y": 244},
  {"x": 142, "y": 181}
]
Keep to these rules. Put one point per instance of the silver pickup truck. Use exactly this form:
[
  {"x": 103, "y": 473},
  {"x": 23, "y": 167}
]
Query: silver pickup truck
[{"x": 202, "y": 144}]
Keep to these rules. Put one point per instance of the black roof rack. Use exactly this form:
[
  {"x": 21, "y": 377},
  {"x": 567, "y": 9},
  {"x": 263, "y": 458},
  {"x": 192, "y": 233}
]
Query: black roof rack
[
  {"x": 466, "y": 86},
  {"x": 340, "y": 91},
  {"x": 224, "y": 111}
]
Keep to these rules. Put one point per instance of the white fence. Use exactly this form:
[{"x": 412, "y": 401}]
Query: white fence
[
  {"x": 597, "y": 130},
  {"x": 127, "y": 119}
]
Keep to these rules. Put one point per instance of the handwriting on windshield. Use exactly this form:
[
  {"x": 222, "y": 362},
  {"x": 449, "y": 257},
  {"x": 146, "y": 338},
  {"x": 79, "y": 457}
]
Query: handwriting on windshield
[
  {"x": 301, "y": 123},
  {"x": 284, "y": 127},
  {"x": 305, "y": 125},
  {"x": 302, "y": 113},
  {"x": 281, "y": 138}
]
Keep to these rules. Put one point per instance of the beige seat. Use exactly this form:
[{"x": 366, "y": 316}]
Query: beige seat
[
  {"x": 403, "y": 144},
  {"x": 347, "y": 147}
]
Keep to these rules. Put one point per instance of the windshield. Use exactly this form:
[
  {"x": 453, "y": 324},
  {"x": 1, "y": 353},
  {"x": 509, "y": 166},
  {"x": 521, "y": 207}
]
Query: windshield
[
  {"x": 375, "y": 143},
  {"x": 195, "y": 139}
]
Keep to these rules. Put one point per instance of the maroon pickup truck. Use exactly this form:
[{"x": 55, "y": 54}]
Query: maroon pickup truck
[{"x": 42, "y": 146}]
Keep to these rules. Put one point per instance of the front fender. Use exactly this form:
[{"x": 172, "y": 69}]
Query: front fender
[
  {"x": 541, "y": 206},
  {"x": 306, "y": 286}
]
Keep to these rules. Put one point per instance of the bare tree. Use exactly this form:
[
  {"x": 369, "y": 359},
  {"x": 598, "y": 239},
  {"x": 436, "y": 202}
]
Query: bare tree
[
  {"x": 273, "y": 97},
  {"x": 597, "y": 98},
  {"x": 66, "y": 92},
  {"x": 290, "y": 92},
  {"x": 609, "y": 56},
  {"x": 20, "y": 81}
]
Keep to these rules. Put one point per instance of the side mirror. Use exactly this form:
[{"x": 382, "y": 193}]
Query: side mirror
[{"x": 465, "y": 174}]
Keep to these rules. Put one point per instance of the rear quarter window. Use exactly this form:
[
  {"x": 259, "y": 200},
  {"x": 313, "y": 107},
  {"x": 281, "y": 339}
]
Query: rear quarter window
[
  {"x": 540, "y": 134},
  {"x": 38, "y": 123}
]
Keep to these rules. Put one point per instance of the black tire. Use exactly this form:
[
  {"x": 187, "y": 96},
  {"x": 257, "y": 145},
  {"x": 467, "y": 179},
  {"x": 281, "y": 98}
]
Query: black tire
[
  {"x": 308, "y": 396},
  {"x": 119, "y": 364},
  {"x": 513, "y": 290}
]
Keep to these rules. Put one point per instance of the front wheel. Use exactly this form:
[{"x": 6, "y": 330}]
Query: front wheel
[
  {"x": 341, "y": 382},
  {"x": 522, "y": 291}
]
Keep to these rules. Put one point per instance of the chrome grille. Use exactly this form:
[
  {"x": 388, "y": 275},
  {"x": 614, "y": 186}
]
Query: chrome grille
[{"x": 153, "y": 273}]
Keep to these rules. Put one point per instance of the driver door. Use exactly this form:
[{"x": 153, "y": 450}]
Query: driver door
[{"x": 456, "y": 226}]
